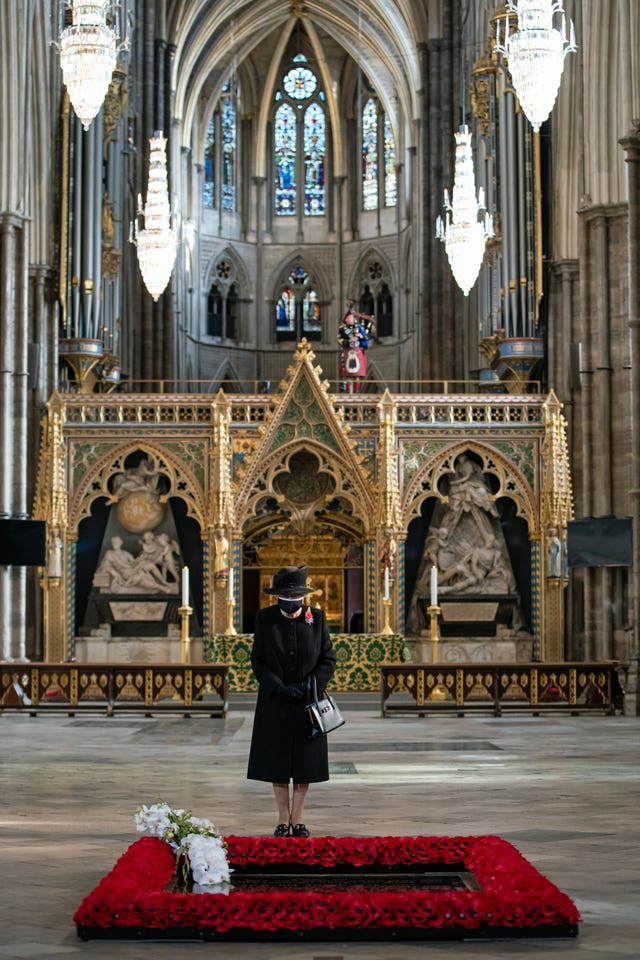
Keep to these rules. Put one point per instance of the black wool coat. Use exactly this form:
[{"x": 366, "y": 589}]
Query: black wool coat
[{"x": 288, "y": 651}]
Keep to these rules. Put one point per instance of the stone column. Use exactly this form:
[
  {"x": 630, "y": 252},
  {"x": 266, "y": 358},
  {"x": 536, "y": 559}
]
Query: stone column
[
  {"x": 442, "y": 318},
  {"x": 13, "y": 420},
  {"x": 631, "y": 146},
  {"x": 8, "y": 225}
]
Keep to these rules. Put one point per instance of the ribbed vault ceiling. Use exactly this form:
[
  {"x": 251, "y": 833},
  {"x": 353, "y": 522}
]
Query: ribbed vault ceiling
[{"x": 381, "y": 36}]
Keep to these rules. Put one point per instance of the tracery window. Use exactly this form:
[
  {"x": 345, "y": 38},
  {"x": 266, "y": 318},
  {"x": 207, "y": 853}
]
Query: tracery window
[
  {"x": 370, "y": 155},
  {"x": 390, "y": 175},
  {"x": 228, "y": 123},
  {"x": 376, "y": 298},
  {"x": 379, "y": 158},
  {"x": 299, "y": 142},
  {"x": 223, "y": 302},
  {"x": 297, "y": 310},
  {"x": 285, "y": 153},
  {"x": 220, "y": 152}
]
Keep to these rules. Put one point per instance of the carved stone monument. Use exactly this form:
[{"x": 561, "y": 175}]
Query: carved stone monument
[
  {"x": 476, "y": 586},
  {"x": 135, "y": 594}
]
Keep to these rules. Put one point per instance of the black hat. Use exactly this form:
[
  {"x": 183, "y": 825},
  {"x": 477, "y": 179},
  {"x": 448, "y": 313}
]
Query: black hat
[{"x": 290, "y": 582}]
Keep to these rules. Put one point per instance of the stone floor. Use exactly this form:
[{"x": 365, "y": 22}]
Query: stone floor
[{"x": 563, "y": 789}]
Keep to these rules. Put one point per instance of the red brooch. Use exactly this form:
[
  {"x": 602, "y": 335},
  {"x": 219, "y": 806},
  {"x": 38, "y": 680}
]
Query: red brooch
[{"x": 308, "y": 616}]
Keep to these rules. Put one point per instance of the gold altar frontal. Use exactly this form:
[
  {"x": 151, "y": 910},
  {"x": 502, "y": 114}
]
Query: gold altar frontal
[{"x": 240, "y": 484}]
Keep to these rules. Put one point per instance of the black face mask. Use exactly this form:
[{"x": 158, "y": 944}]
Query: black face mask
[{"x": 289, "y": 606}]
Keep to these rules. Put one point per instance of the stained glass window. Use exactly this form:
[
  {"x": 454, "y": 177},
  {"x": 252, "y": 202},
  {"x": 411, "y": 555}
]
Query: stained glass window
[
  {"x": 370, "y": 155},
  {"x": 378, "y": 186},
  {"x": 220, "y": 150},
  {"x": 286, "y": 312},
  {"x": 300, "y": 83},
  {"x": 285, "y": 160},
  {"x": 208, "y": 190},
  {"x": 311, "y": 313},
  {"x": 314, "y": 152},
  {"x": 298, "y": 311},
  {"x": 228, "y": 154},
  {"x": 300, "y": 143},
  {"x": 390, "y": 176}
]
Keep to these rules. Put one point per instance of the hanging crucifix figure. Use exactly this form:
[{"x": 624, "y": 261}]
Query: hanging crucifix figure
[{"x": 354, "y": 334}]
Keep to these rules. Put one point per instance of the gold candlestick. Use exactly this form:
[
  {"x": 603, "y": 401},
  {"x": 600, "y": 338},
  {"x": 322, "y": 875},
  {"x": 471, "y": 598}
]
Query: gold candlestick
[
  {"x": 231, "y": 630},
  {"x": 434, "y": 617},
  {"x": 386, "y": 630},
  {"x": 185, "y": 612}
]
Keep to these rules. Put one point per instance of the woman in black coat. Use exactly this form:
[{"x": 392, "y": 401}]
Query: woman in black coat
[{"x": 291, "y": 643}]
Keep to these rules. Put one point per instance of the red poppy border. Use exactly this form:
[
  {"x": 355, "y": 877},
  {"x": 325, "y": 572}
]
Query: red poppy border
[{"x": 514, "y": 899}]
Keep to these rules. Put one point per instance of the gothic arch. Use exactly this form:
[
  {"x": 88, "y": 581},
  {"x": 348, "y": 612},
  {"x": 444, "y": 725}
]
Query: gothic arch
[
  {"x": 226, "y": 372},
  {"x": 305, "y": 260},
  {"x": 95, "y": 483},
  {"x": 366, "y": 271},
  {"x": 384, "y": 39},
  {"x": 393, "y": 108},
  {"x": 512, "y": 482},
  {"x": 225, "y": 268},
  {"x": 348, "y": 482}
]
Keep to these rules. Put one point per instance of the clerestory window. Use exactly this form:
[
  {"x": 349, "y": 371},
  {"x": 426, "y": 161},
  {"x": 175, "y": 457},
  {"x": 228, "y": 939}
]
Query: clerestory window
[
  {"x": 379, "y": 161},
  {"x": 299, "y": 142},
  {"x": 220, "y": 152}
]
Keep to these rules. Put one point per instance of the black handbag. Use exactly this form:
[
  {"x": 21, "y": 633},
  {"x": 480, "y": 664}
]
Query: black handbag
[{"x": 323, "y": 714}]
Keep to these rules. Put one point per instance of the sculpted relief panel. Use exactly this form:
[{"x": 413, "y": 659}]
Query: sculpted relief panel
[{"x": 465, "y": 543}]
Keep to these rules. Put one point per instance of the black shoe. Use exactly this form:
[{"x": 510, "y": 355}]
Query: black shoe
[
  {"x": 282, "y": 830},
  {"x": 299, "y": 830}
]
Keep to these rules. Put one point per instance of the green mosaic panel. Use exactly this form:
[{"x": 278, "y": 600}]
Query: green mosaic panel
[
  {"x": 520, "y": 454},
  {"x": 193, "y": 453},
  {"x": 415, "y": 453},
  {"x": 358, "y": 659},
  {"x": 85, "y": 455},
  {"x": 303, "y": 417}
]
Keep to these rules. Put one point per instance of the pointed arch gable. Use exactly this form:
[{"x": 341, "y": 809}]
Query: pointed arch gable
[
  {"x": 307, "y": 261},
  {"x": 183, "y": 482},
  {"x": 226, "y": 372},
  {"x": 348, "y": 484},
  {"x": 370, "y": 255},
  {"x": 513, "y": 483},
  {"x": 239, "y": 275},
  {"x": 303, "y": 417}
]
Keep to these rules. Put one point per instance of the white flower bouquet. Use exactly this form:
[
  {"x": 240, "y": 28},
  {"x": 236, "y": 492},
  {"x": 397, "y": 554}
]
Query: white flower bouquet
[{"x": 195, "y": 840}]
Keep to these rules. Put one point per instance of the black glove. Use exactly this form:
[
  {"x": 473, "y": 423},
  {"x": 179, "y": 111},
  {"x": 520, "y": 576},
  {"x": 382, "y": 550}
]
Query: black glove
[{"x": 291, "y": 691}]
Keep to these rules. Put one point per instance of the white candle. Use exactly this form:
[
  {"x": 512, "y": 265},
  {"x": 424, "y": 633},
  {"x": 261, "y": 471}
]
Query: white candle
[
  {"x": 386, "y": 583},
  {"x": 231, "y": 584},
  {"x": 434, "y": 586},
  {"x": 185, "y": 586}
]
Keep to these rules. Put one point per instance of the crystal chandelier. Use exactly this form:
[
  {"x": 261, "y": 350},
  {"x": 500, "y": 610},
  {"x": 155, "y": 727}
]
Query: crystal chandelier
[
  {"x": 463, "y": 234},
  {"x": 88, "y": 54},
  {"x": 535, "y": 54},
  {"x": 156, "y": 242}
]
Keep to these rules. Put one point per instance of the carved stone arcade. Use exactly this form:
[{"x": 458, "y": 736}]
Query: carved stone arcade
[{"x": 341, "y": 482}]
